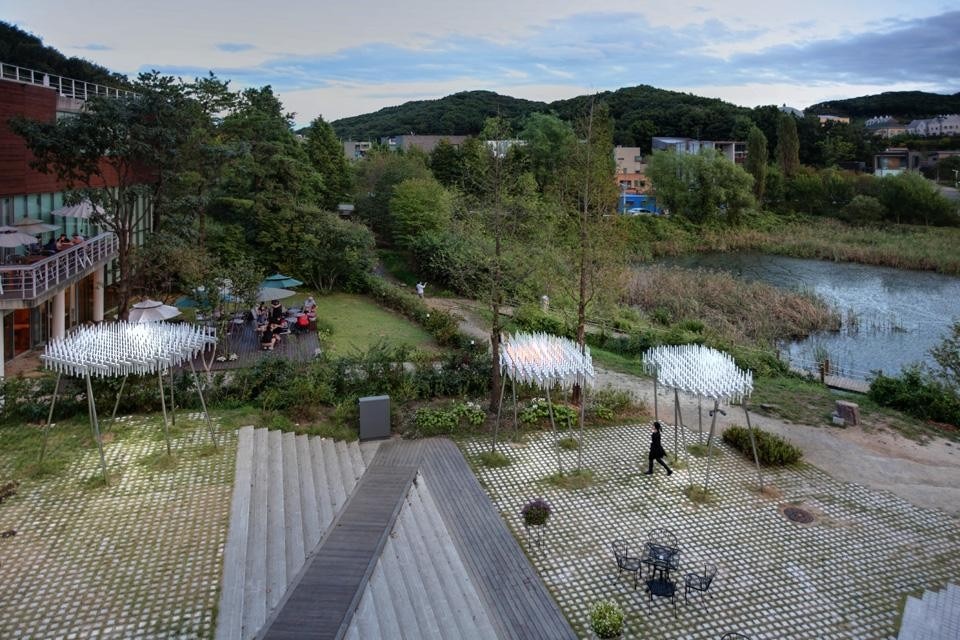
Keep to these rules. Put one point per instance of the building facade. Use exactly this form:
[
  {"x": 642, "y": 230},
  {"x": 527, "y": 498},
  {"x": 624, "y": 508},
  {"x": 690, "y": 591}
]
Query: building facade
[
  {"x": 733, "y": 150},
  {"x": 43, "y": 295}
]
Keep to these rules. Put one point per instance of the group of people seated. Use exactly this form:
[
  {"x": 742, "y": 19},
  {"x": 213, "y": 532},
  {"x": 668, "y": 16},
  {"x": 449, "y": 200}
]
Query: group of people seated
[
  {"x": 61, "y": 243},
  {"x": 273, "y": 321}
]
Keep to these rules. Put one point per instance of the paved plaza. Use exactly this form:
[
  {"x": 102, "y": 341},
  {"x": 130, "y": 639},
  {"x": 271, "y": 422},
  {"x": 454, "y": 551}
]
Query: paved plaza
[
  {"x": 845, "y": 575},
  {"x": 140, "y": 559}
]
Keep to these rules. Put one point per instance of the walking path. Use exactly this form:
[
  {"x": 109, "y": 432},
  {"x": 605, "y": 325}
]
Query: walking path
[{"x": 927, "y": 475}]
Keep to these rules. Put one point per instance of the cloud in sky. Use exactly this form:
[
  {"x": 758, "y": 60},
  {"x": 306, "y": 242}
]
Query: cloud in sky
[
  {"x": 93, "y": 46},
  {"x": 337, "y": 60}
]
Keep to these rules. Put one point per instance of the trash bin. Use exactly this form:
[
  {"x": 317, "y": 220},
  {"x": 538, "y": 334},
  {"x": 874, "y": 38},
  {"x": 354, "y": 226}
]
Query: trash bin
[{"x": 374, "y": 417}]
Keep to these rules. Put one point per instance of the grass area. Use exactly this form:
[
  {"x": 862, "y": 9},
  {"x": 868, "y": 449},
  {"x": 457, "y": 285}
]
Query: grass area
[
  {"x": 806, "y": 402},
  {"x": 569, "y": 443},
  {"x": 578, "y": 479},
  {"x": 699, "y": 495},
  {"x": 358, "y": 324},
  {"x": 900, "y": 246},
  {"x": 493, "y": 459},
  {"x": 618, "y": 362}
]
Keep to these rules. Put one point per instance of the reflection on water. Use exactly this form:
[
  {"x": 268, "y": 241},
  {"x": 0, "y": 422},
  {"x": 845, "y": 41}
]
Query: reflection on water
[{"x": 892, "y": 317}]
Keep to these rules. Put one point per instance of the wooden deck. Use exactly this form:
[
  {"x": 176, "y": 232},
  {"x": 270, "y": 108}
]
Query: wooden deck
[
  {"x": 245, "y": 342},
  {"x": 520, "y": 605},
  {"x": 323, "y": 601}
]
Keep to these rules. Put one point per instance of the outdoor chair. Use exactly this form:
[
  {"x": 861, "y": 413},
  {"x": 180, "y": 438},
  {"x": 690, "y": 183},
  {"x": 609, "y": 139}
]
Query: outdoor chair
[
  {"x": 624, "y": 561},
  {"x": 734, "y": 636},
  {"x": 699, "y": 582},
  {"x": 662, "y": 538}
]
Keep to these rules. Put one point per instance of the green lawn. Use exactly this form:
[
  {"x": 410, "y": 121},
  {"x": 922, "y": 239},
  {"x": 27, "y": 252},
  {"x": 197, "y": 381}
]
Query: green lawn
[{"x": 358, "y": 323}]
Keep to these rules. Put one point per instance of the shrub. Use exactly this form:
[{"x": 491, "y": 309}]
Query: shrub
[
  {"x": 771, "y": 448},
  {"x": 917, "y": 393},
  {"x": 539, "y": 410},
  {"x": 606, "y": 619},
  {"x": 531, "y": 318},
  {"x": 435, "y": 422},
  {"x": 536, "y": 512}
]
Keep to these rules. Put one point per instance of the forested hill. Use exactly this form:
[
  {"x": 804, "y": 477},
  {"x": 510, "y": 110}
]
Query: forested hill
[
  {"x": 460, "y": 114},
  {"x": 639, "y": 113},
  {"x": 905, "y": 105},
  {"x": 24, "y": 49}
]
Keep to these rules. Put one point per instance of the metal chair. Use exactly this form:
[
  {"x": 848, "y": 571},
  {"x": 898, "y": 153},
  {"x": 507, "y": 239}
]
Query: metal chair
[
  {"x": 699, "y": 582},
  {"x": 732, "y": 635},
  {"x": 624, "y": 561},
  {"x": 662, "y": 538}
]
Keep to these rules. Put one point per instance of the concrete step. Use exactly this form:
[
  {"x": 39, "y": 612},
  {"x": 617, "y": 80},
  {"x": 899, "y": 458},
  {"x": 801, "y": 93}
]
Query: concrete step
[
  {"x": 385, "y": 609},
  {"x": 413, "y": 579},
  {"x": 255, "y": 587},
  {"x": 335, "y": 484},
  {"x": 230, "y": 617},
  {"x": 473, "y": 620},
  {"x": 365, "y": 619},
  {"x": 309, "y": 504},
  {"x": 276, "y": 523},
  {"x": 368, "y": 450},
  {"x": 403, "y": 604},
  {"x": 292, "y": 515},
  {"x": 321, "y": 483},
  {"x": 356, "y": 459},
  {"x": 346, "y": 466}
]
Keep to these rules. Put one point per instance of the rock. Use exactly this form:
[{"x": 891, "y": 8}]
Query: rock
[
  {"x": 768, "y": 407},
  {"x": 839, "y": 421},
  {"x": 849, "y": 411}
]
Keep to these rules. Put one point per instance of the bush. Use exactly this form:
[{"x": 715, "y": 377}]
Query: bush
[
  {"x": 606, "y": 403},
  {"x": 536, "y": 512},
  {"x": 531, "y": 318},
  {"x": 917, "y": 393},
  {"x": 444, "y": 326},
  {"x": 771, "y": 449},
  {"x": 606, "y": 619},
  {"x": 539, "y": 410},
  {"x": 438, "y": 422}
]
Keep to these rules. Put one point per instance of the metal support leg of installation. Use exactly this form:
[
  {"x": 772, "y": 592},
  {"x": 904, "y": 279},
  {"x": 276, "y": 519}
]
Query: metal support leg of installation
[
  {"x": 753, "y": 444},
  {"x": 583, "y": 408},
  {"x": 656, "y": 408},
  {"x": 116, "y": 405},
  {"x": 95, "y": 426},
  {"x": 203, "y": 404},
  {"x": 46, "y": 429},
  {"x": 713, "y": 425},
  {"x": 553, "y": 430},
  {"x": 173, "y": 406},
  {"x": 516, "y": 423},
  {"x": 496, "y": 427},
  {"x": 163, "y": 407}
]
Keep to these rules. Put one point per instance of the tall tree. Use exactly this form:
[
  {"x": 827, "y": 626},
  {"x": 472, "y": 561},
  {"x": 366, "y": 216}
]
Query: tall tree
[
  {"x": 756, "y": 164},
  {"x": 446, "y": 164},
  {"x": 788, "y": 146},
  {"x": 327, "y": 157},
  {"x": 549, "y": 143}
]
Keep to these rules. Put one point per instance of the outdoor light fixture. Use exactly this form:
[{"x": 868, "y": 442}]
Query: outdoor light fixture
[{"x": 123, "y": 349}]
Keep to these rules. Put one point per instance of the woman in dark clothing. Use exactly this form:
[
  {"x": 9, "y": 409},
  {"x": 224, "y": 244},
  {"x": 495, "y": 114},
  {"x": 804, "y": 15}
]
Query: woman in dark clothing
[{"x": 656, "y": 450}]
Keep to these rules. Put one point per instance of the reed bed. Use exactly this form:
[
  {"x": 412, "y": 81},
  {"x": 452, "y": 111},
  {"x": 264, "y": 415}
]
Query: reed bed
[{"x": 744, "y": 312}]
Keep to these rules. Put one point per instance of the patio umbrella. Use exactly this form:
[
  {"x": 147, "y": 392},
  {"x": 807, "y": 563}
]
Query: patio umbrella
[
  {"x": 270, "y": 293},
  {"x": 84, "y": 210},
  {"x": 152, "y": 311},
  {"x": 33, "y": 225},
  {"x": 280, "y": 280},
  {"x": 14, "y": 237}
]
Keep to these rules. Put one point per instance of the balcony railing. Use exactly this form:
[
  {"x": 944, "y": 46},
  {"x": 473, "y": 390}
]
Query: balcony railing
[
  {"x": 67, "y": 87},
  {"x": 38, "y": 275}
]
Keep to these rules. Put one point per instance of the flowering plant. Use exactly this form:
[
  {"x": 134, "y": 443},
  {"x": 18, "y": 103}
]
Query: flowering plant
[{"x": 536, "y": 512}]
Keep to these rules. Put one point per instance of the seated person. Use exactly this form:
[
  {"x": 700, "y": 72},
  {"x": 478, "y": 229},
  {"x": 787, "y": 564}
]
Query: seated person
[
  {"x": 261, "y": 317},
  {"x": 51, "y": 247},
  {"x": 63, "y": 242},
  {"x": 77, "y": 238},
  {"x": 303, "y": 322},
  {"x": 277, "y": 312},
  {"x": 309, "y": 304},
  {"x": 268, "y": 340}
]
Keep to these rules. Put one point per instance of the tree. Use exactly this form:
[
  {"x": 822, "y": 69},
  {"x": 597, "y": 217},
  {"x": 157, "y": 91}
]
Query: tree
[
  {"x": 864, "y": 210},
  {"x": 912, "y": 199},
  {"x": 376, "y": 177},
  {"x": 549, "y": 142},
  {"x": 756, "y": 164},
  {"x": 327, "y": 157},
  {"x": 947, "y": 356},
  {"x": 419, "y": 205},
  {"x": 126, "y": 141},
  {"x": 446, "y": 164},
  {"x": 788, "y": 146},
  {"x": 703, "y": 187},
  {"x": 333, "y": 253}
]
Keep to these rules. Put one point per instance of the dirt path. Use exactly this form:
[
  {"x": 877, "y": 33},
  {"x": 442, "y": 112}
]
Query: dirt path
[{"x": 927, "y": 475}]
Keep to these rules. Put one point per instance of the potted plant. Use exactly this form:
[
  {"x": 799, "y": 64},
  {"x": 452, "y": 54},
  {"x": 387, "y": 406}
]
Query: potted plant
[
  {"x": 606, "y": 619},
  {"x": 535, "y": 515}
]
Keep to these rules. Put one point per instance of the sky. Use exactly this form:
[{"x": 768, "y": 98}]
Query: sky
[{"x": 348, "y": 57}]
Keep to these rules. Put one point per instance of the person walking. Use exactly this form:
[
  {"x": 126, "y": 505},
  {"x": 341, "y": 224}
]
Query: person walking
[
  {"x": 421, "y": 286},
  {"x": 656, "y": 450}
]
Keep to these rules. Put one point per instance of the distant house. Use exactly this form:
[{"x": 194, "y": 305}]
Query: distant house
[
  {"x": 896, "y": 160},
  {"x": 944, "y": 125},
  {"x": 426, "y": 143},
  {"x": 628, "y": 159},
  {"x": 501, "y": 147},
  {"x": 355, "y": 150},
  {"x": 732, "y": 150},
  {"x": 884, "y": 126}
]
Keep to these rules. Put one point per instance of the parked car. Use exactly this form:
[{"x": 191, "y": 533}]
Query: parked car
[{"x": 641, "y": 211}]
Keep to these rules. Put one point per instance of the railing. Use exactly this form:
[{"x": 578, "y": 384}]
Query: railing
[
  {"x": 29, "y": 281},
  {"x": 67, "y": 87}
]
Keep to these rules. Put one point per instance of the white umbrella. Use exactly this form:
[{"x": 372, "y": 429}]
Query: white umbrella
[
  {"x": 14, "y": 237},
  {"x": 152, "y": 311},
  {"x": 33, "y": 225},
  {"x": 83, "y": 209},
  {"x": 269, "y": 293}
]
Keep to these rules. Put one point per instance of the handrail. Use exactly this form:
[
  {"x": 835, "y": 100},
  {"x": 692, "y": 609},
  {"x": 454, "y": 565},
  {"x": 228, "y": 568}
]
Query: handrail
[
  {"x": 67, "y": 87},
  {"x": 29, "y": 281}
]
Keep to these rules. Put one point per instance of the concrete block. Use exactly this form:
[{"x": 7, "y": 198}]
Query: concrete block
[{"x": 849, "y": 411}]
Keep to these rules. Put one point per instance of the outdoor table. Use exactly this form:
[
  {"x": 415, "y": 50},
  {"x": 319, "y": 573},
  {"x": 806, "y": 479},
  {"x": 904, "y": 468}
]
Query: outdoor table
[{"x": 661, "y": 559}]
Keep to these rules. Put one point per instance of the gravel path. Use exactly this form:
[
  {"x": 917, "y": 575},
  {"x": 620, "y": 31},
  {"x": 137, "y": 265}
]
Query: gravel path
[{"x": 927, "y": 475}]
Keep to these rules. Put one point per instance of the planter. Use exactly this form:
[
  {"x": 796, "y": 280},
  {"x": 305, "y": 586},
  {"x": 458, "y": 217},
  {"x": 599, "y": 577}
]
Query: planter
[{"x": 535, "y": 533}]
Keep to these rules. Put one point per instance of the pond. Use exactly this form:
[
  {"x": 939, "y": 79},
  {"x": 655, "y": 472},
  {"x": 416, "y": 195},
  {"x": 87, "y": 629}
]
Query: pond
[{"x": 891, "y": 317}]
